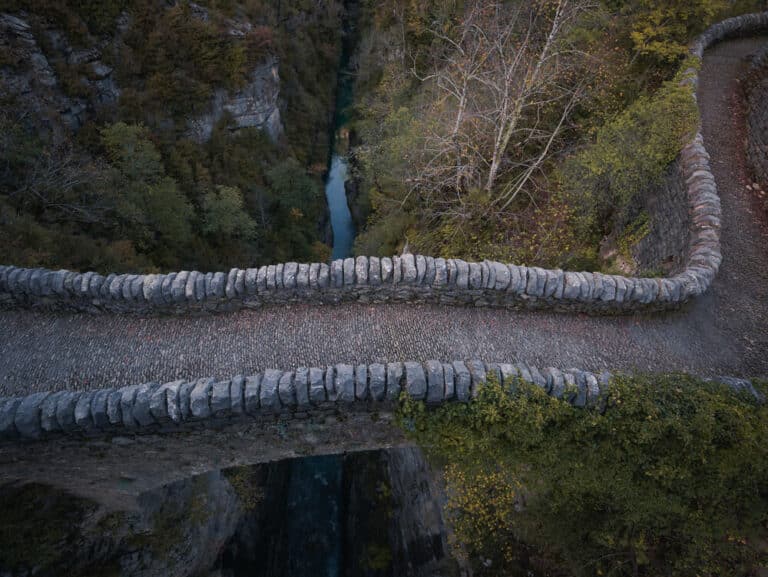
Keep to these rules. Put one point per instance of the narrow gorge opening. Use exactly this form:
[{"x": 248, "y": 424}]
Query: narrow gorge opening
[{"x": 342, "y": 224}]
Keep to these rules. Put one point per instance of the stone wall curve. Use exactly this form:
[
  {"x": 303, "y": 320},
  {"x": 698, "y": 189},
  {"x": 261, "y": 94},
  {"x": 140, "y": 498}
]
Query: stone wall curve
[
  {"x": 286, "y": 396},
  {"x": 412, "y": 278}
]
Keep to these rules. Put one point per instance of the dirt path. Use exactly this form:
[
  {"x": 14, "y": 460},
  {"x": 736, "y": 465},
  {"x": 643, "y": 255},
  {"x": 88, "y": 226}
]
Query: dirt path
[{"x": 725, "y": 332}]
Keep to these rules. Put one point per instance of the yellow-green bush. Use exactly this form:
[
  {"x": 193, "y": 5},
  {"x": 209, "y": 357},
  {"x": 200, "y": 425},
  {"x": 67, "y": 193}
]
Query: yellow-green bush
[
  {"x": 629, "y": 154},
  {"x": 667, "y": 476}
]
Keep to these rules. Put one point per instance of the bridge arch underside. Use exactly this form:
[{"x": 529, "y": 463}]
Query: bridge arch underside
[{"x": 115, "y": 471}]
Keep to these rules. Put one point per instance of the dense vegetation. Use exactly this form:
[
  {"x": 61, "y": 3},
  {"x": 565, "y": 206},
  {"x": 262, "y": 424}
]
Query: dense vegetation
[
  {"x": 667, "y": 476},
  {"x": 130, "y": 189},
  {"x": 521, "y": 131}
]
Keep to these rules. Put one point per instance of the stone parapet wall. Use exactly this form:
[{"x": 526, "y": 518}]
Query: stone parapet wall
[
  {"x": 756, "y": 96},
  {"x": 282, "y": 396},
  {"x": 410, "y": 278}
]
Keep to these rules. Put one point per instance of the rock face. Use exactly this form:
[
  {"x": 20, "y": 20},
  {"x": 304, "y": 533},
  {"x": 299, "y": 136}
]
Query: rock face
[
  {"x": 29, "y": 76},
  {"x": 173, "y": 531},
  {"x": 256, "y": 105}
]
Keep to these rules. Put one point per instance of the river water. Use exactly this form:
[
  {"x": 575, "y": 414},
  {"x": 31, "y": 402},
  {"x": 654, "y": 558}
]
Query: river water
[{"x": 341, "y": 217}]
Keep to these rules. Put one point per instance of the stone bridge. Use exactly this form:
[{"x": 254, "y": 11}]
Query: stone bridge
[{"x": 387, "y": 310}]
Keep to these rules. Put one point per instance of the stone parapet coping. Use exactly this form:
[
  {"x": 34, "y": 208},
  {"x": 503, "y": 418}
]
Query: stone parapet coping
[
  {"x": 277, "y": 395},
  {"x": 409, "y": 278}
]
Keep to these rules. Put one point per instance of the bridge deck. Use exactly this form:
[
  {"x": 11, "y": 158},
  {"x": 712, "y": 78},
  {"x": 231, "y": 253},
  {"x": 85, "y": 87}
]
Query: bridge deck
[{"x": 724, "y": 332}]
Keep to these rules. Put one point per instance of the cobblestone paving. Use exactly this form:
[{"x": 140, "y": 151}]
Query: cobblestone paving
[{"x": 725, "y": 332}]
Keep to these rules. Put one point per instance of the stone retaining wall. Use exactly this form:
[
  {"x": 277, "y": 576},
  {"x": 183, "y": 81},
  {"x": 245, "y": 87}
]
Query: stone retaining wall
[
  {"x": 411, "y": 278},
  {"x": 665, "y": 248},
  {"x": 756, "y": 94},
  {"x": 275, "y": 395}
]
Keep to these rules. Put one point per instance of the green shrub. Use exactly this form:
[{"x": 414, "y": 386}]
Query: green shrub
[
  {"x": 671, "y": 478},
  {"x": 629, "y": 155}
]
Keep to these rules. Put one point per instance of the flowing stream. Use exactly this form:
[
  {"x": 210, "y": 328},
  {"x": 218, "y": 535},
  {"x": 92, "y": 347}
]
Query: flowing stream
[{"x": 341, "y": 217}]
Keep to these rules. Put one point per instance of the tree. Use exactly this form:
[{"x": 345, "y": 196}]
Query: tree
[
  {"x": 224, "y": 214},
  {"x": 504, "y": 83},
  {"x": 150, "y": 204}
]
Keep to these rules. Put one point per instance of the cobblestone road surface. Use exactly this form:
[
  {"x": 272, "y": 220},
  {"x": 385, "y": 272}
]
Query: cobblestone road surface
[{"x": 725, "y": 332}]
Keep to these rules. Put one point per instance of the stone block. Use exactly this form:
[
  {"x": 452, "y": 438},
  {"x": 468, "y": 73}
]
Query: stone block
[
  {"x": 324, "y": 276},
  {"x": 316, "y": 385},
  {"x": 189, "y": 288},
  {"x": 349, "y": 271},
  {"x": 421, "y": 269},
  {"x": 377, "y": 381},
  {"x": 337, "y": 274},
  {"x": 48, "y": 422},
  {"x": 394, "y": 381},
  {"x": 475, "y": 276},
  {"x": 114, "y": 413},
  {"x": 141, "y": 407},
  {"x": 271, "y": 278},
  {"x": 200, "y": 399},
  {"x": 185, "y": 399},
  {"x": 166, "y": 288},
  {"x": 374, "y": 271},
  {"x": 290, "y": 271},
  {"x": 463, "y": 381},
  {"x": 435, "y": 382},
  {"x": 301, "y": 384},
  {"x": 450, "y": 384},
  {"x": 252, "y": 394},
  {"x": 286, "y": 390},
  {"x": 302, "y": 277},
  {"x": 99, "y": 412},
  {"x": 479, "y": 376},
  {"x": 361, "y": 270},
  {"x": 361, "y": 382},
  {"x": 415, "y": 381},
  {"x": 441, "y": 273},
  {"x": 261, "y": 279},
  {"x": 221, "y": 401},
  {"x": 127, "y": 399},
  {"x": 251, "y": 275},
  {"x": 397, "y": 270},
  {"x": 462, "y": 273},
  {"x": 314, "y": 273},
  {"x": 269, "y": 397},
  {"x": 330, "y": 384},
  {"x": 387, "y": 269},
  {"x": 410, "y": 274},
  {"x": 179, "y": 287},
  {"x": 509, "y": 376},
  {"x": 83, "y": 418},
  {"x": 344, "y": 381},
  {"x": 237, "y": 395},
  {"x": 173, "y": 401},
  {"x": 27, "y": 417}
]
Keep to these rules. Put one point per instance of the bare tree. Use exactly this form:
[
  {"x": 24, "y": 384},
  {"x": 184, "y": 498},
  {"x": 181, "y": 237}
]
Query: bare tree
[{"x": 503, "y": 87}]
